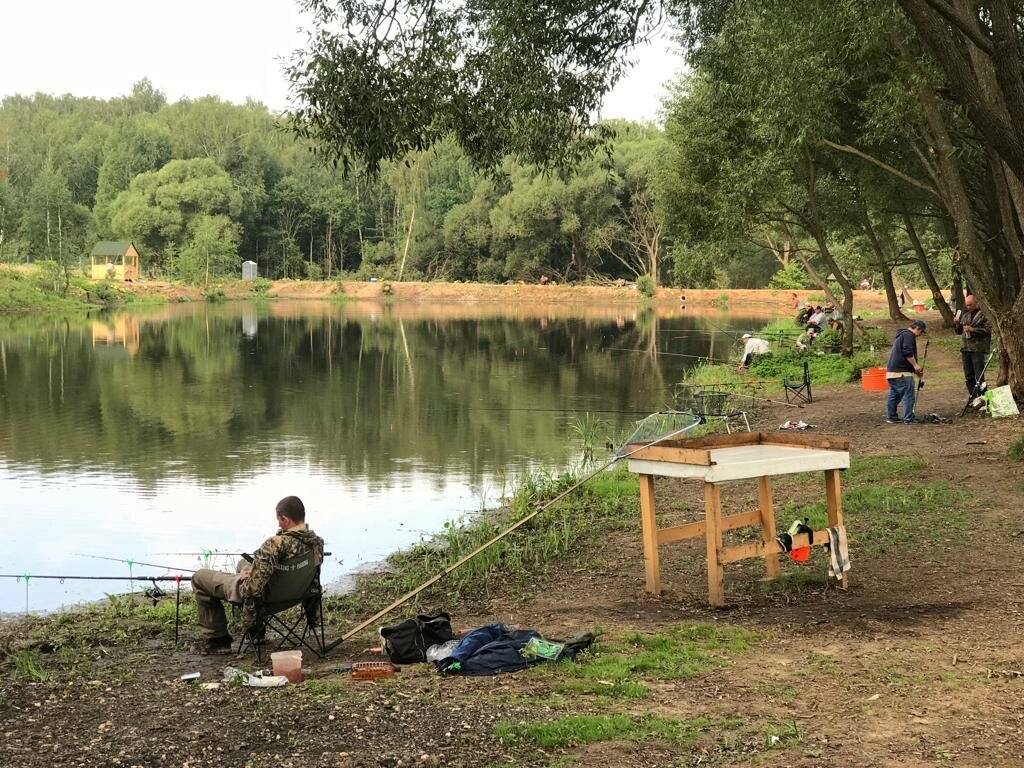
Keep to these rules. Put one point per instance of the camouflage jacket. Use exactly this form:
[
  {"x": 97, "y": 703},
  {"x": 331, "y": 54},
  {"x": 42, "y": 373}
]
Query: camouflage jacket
[
  {"x": 279, "y": 547},
  {"x": 977, "y": 339}
]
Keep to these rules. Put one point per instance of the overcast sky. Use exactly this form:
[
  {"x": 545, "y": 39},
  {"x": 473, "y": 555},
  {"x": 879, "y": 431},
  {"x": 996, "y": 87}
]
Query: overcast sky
[{"x": 231, "y": 48}]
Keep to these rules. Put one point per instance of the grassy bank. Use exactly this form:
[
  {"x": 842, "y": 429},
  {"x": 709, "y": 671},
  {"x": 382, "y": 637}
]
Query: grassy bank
[{"x": 43, "y": 289}]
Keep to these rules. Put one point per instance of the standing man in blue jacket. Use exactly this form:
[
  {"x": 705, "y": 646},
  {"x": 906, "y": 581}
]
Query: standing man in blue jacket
[{"x": 902, "y": 372}]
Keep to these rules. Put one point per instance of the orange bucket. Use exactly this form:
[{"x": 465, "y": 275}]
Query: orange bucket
[{"x": 873, "y": 379}]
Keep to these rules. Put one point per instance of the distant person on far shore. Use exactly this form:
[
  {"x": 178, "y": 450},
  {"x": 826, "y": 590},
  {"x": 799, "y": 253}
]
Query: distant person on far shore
[{"x": 752, "y": 347}]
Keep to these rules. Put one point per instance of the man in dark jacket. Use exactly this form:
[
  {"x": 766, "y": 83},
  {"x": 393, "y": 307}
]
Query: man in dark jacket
[
  {"x": 972, "y": 325},
  {"x": 213, "y": 588},
  {"x": 901, "y": 372}
]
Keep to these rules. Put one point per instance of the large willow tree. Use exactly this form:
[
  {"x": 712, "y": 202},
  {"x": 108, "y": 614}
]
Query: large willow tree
[{"x": 382, "y": 77}]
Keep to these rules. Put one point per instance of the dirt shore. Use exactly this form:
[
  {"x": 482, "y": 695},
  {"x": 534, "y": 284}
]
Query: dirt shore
[
  {"x": 764, "y": 300},
  {"x": 919, "y": 663}
]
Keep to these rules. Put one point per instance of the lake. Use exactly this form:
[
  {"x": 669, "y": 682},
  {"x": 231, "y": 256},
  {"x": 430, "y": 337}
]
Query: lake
[{"x": 168, "y": 435}]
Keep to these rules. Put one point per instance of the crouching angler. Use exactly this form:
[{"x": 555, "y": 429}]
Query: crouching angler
[{"x": 214, "y": 588}]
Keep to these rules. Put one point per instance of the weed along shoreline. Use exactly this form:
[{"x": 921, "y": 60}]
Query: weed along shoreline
[{"x": 908, "y": 666}]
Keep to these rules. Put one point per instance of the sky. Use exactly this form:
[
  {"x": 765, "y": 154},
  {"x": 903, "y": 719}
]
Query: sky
[{"x": 190, "y": 48}]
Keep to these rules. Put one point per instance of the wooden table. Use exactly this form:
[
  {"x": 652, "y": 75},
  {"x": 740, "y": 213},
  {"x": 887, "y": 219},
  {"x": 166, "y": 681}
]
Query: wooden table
[{"x": 730, "y": 458}]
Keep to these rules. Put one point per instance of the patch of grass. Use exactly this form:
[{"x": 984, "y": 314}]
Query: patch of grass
[
  {"x": 576, "y": 730},
  {"x": 824, "y": 369},
  {"x": 1017, "y": 449},
  {"x": 215, "y": 295},
  {"x": 680, "y": 653},
  {"x": 27, "y": 665},
  {"x": 888, "y": 511}
]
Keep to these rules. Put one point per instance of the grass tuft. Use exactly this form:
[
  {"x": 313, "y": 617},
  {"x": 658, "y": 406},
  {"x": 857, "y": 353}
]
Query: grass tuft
[
  {"x": 576, "y": 730},
  {"x": 1017, "y": 449}
]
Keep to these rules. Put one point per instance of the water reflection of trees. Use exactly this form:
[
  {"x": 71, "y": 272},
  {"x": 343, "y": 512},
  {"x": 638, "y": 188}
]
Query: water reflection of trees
[{"x": 218, "y": 392}]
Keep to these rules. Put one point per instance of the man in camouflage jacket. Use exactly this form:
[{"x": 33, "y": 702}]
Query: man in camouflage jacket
[{"x": 213, "y": 588}]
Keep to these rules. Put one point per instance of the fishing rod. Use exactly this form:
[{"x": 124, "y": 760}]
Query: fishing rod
[
  {"x": 671, "y": 354},
  {"x": 494, "y": 540},
  {"x": 30, "y": 576},
  {"x": 977, "y": 385},
  {"x": 131, "y": 563},
  {"x": 153, "y": 579}
]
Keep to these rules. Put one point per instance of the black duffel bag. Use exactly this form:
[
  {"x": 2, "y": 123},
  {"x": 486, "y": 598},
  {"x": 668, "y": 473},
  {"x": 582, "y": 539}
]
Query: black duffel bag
[{"x": 407, "y": 641}]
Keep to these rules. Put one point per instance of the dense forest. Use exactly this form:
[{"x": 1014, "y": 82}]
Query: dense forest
[
  {"x": 204, "y": 179},
  {"x": 205, "y": 183}
]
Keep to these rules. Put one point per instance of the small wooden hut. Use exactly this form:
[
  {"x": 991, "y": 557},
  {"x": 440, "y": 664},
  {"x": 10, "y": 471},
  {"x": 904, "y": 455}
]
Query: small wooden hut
[{"x": 114, "y": 259}]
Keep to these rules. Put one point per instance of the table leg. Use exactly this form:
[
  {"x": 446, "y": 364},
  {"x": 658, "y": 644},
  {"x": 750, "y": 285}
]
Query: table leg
[
  {"x": 713, "y": 536},
  {"x": 771, "y": 555},
  {"x": 649, "y": 529},
  {"x": 834, "y": 504}
]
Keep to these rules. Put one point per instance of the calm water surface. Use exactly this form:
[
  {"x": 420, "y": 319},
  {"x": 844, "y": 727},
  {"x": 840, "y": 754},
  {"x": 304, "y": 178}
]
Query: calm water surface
[{"x": 163, "y": 436}]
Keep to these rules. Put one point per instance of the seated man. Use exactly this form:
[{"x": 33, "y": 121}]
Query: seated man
[{"x": 211, "y": 587}]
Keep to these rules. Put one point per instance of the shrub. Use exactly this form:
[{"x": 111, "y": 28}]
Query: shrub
[
  {"x": 214, "y": 295},
  {"x": 790, "y": 277},
  {"x": 645, "y": 284},
  {"x": 314, "y": 271},
  {"x": 824, "y": 369},
  {"x": 260, "y": 286}
]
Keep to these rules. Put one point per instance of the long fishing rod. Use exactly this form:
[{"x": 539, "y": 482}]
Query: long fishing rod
[
  {"x": 30, "y": 576},
  {"x": 131, "y": 563},
  {"x": 670, "y": 354},
  {"x": 494, "y": 540},
  {"x": 154, "y": 579}
]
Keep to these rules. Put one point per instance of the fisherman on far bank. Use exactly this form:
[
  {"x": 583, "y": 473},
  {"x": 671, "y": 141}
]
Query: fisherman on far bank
[
  {"x": 213, "y": 588},
  {"x": 752, "y": 347},
  {"x": 971, "y": 324},
  {"x": 902, "y": 372}
]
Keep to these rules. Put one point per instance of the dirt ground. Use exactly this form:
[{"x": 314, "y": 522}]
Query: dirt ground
[
  {"x": 443, "y": 293},
  {"x": 919, "y": 663}
]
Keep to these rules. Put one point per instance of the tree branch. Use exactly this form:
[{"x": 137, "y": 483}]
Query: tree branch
[{"x": 884, "y": 166}]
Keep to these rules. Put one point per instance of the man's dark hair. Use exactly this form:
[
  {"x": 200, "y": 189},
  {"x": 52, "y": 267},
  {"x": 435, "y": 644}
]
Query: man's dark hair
[{"x": 292, "y": 508}]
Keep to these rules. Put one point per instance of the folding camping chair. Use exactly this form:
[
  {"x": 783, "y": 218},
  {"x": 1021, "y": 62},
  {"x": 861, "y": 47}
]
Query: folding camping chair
[
  {"x": 800, "y": 390},
  {"x": 295, "y": 583}
]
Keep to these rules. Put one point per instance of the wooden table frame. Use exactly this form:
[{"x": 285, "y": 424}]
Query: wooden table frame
[{"x": 693, "y": 458}]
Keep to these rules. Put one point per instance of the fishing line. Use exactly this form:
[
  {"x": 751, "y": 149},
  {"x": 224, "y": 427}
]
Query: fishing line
[
  {"x": 131, "y": 563},
  {"x": 670, "y": 354}
]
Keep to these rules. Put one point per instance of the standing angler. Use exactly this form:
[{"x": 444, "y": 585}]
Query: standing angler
[
  {"x": 972, "y": 325},
  {"x": 900, "y": 372},
  {"x": 213, "y": 588}
]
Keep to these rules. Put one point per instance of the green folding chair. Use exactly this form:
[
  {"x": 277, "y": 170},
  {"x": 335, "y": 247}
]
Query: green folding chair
[{"x": 294, "y": 583}]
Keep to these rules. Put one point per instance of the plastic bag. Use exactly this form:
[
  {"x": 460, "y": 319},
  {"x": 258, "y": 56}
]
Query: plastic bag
[
  {"x": 441, "y": 650},
  {"x": 1001, "y": 403}
]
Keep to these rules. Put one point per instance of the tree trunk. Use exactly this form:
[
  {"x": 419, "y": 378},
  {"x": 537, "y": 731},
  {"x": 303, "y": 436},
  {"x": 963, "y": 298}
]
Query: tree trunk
[
  {"x": 895, "y": 313},
  {"x": 957, "y": 292},
  {"x": 929, "y": 276}
]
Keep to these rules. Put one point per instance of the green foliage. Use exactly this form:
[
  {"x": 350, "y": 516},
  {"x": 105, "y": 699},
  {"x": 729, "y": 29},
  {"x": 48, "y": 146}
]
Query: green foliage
[
  {"x": 260, "y": 286},
  {"x": 790, "y": 277},
  {"x": 576, "y": 730},
  {"x": 39, "y": 291},
  {"x": 824, "y": 369},
  {"x": 645, "y": 284},
  {"x": 215, "y": 295}
]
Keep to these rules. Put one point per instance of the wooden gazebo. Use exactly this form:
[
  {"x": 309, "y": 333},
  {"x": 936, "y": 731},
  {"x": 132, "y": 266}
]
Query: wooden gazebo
[{"x": 114, "y": 260}]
